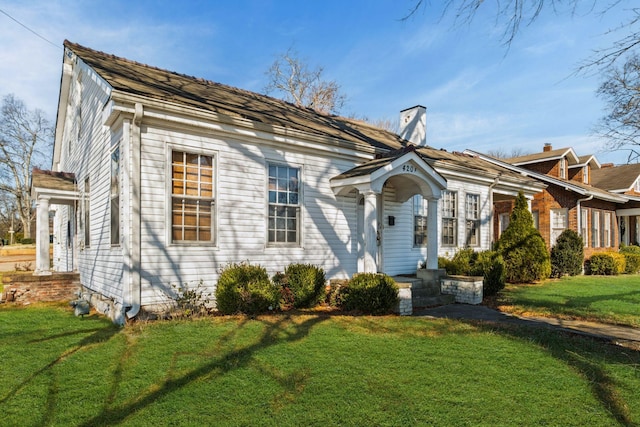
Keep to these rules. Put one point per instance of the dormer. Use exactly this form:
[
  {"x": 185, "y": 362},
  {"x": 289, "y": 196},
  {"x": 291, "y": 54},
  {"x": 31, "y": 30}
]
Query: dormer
[
  {"x": 581, "y": 171},
  {"x": 555, "y": 163}
]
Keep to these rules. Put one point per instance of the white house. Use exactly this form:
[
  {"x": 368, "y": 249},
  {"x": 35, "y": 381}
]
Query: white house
[{"x": 160, "y": 179}]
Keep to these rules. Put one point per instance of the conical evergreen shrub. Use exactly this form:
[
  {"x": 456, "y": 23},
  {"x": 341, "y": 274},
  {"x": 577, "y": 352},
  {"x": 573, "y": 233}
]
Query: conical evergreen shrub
[
  {"x": 522, "y": 247},
  {"x": 567, "y": 255}
]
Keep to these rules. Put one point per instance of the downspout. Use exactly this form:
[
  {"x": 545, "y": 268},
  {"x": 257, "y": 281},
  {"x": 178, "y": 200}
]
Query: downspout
[{"x": 136, "y": 147}]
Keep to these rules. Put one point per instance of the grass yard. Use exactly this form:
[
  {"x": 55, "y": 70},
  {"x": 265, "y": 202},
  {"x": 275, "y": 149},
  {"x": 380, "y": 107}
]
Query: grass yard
[
  {"x": 608, "y": 299},
  {"x": 311, "y": 370}
]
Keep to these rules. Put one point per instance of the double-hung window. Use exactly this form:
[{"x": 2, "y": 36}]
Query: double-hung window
[
  {"x": 419, "y": 221},
  {"x": 606, "y": 230},
  {"x": 284, "y": 205},
  {"x": 449, "y": 218},
  {"x": 87, "y": 213},
  {"x": 559, "y": 223},
  {"x": 472, "y": 217},
  {"x": 192, "y": 197},
  {"x": 595, "y": 229},
  {"x": 584, "y": 225}
]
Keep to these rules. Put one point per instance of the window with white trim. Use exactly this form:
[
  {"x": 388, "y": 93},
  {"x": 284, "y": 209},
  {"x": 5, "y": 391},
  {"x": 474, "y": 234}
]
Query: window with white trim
[
  {"x": 472, "y": 219},
  {"x": 584, "y": 226},
  {"x": 503, "y": 220},
  {"x": 563, "y": 168},
  {"x": 559, "y": 223},
  {"x": 283, "y": 225},
  {"x": 636, "y": 185},
  {"x": 192, "y": 197},
  {"x": 585, "y": 174},
  {"x": 606, "y": 229},
  {"x": 419, "y": 221},
  {"x": 595, "y": 229},
  {"x": 114, "y": 195},
  {"x": 536, "y": 219},
  {"x": 86, "y": 206},
  {"x": 449, "y": 218}
]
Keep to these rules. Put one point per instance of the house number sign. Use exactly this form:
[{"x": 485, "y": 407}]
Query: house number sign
[{"x": 408, "y": 168}]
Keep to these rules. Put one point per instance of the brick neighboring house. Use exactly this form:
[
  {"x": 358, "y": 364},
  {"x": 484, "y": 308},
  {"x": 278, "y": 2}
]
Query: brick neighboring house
[
  {"x": 571, "y": 200},
  {"x": 623, "y": 180}
]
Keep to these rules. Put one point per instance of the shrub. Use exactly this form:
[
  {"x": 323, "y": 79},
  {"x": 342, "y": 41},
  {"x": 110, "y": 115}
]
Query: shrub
[
  {"x": 606, "y": 263},
  {"x": 303, "y": 285},
  {"x": 190, "y": 300},
  {"x": 522, "y": 247},
  {"x": 632, "y": 262},
  {"x": 490, "y": 265},
  {"x": 370, "y": 293},
  {"x": 567, "y": 255},
  {"x": 443, "y": 262},
  {"x": 631, "y": 255},
  {"x": 462, "y": 262},
  {"x": 245, "y": 288}
]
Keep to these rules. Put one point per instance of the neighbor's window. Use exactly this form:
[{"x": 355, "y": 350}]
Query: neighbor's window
[
  {"x": 563, "y": 168},
  {"x": 585, "y": 174},
  {"x": 606, "y": 232},
  {"x": 192, "y": 197},
  {"x": 536, "y": 219},
  {"x": 559, "y": 223},
  {"x": 472, "y": 217},
  {"x": 419, "y": 221},
  {"x": 115, "y": 195},
  {"x": 87, "y": 212},
  {"x": 636, "y": 186},
  {"x": 595, "y": 229},
  {"x": 284, "y": 205},
  {"x": 584, "y": 226},
  {"x": 449, "y": 218},
  {"x": 503, "y": 220}
]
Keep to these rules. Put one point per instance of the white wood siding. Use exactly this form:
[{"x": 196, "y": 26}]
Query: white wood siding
[
  {"x": 328, "y": 222},
  {"x": 86, "y": 152}
]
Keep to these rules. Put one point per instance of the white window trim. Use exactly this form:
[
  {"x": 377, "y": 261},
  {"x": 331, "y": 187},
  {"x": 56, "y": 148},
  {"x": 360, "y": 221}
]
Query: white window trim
[
  {"x": 477, "y": 220},
  {"x": 301, "y": 208},
  {"x": 114, "y": 147},
  {"x": 169, "y": 196},
  {"x": 584, "y": 225},
  {"x": 455, "y": 219},
  {"x": 414, "y": 216},
  {"x": 552, "y": 227}
]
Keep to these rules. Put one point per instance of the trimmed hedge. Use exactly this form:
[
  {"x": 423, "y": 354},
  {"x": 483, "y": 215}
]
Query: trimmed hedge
[
  {"x": 245, "y": 288},
  {"x": 303, "y": 285},
  {"x": 605, "y": 263},
  {"x": 370, "y": 293}
]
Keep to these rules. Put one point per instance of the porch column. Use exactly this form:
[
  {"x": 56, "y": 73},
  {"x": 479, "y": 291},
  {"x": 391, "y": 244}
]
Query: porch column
[
  {"x": 370, "y": 232},
  {"x": 42, "y": 237},
  {"x": 432, "y": 233}
]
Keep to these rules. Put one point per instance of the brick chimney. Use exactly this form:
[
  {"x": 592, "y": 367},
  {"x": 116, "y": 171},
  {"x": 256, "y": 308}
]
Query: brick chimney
[
  {"x": 547, "y": 147},
  {"x": 413, "y": 125}
]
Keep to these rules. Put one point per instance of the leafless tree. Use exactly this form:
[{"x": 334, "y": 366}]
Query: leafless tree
[
  {"x": 24, "y": 137},
  {"x": 621, "y": 92},
  {"x": 501, "y": 153},
  {"x": 292, "y": 78}
]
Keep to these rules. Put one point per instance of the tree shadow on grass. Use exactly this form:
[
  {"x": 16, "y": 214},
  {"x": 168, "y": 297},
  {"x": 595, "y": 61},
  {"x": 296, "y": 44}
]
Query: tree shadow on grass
[
  {"x": 583, "y": 354},
  {"x": 281, "y": 330}
]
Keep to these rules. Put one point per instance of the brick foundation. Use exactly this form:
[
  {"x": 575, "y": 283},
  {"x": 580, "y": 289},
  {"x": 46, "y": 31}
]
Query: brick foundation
[{"x": 25, "y": 288}]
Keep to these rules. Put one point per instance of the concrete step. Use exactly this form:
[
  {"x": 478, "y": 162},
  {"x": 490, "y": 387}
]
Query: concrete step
[{"x": 432, "y": 301}]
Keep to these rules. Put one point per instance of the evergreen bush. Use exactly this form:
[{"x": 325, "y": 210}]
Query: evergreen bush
[
  {"x": 305, "y": 283},
  {"x": 522, "y": 247},
  {"x": 245, "y": 288},
  {"x": 370, "y": 293},
  {"x": 605, "y": 263},
  {"x": 490, "y": 265},
  {"x": 567, "y": 255}
]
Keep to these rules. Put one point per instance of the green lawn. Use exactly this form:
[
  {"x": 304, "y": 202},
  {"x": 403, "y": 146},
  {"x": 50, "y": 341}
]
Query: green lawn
[
  {"x": 306, "y": 370},
  {"x": 609, "y": 299}
]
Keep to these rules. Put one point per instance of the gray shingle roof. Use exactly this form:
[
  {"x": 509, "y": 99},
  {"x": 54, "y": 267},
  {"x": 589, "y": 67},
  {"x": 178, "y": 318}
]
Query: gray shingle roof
[{"x": 616, "y": 178}]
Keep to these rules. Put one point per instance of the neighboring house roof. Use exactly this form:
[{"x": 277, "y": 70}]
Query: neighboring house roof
[
  {"x": 577, "y": 187},
  {"x": 616, "y": 179},
  {"x": 545, "y": 156},
  {"x": 133, "y": 77},
  {"x": 586, "y": 160}
]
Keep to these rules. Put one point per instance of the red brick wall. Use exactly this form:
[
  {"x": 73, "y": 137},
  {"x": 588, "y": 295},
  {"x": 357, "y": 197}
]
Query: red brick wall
[{"x": 25, "y": 288}]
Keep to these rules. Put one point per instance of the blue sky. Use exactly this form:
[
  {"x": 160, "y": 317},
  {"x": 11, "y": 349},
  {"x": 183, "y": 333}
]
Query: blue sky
[{"x": 478, "y": 94}]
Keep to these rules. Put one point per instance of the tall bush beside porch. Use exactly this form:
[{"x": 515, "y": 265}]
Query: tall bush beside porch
[{"x": 522, "y": 247}]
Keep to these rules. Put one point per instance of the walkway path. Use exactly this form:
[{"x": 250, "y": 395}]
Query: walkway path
[{"x": 621, "y": 335}]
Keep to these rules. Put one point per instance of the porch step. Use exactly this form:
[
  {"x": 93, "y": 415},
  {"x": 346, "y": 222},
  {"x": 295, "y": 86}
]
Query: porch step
[{"x": 431, "y": 301}]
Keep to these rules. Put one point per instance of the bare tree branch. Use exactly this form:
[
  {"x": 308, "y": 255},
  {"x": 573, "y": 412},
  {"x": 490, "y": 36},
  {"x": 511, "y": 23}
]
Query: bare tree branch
[{"x": 297, "y": 83}]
